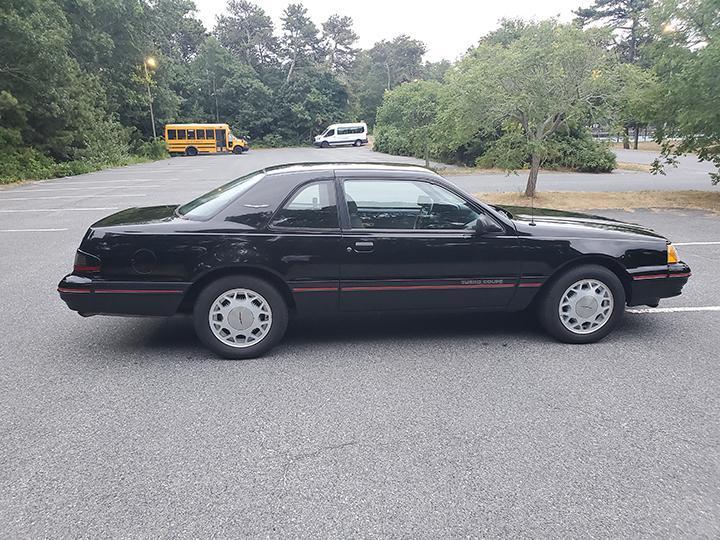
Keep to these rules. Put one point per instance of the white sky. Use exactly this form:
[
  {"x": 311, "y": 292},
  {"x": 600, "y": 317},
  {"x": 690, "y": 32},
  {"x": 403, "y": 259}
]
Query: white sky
[{"x": 448, "y": 27}]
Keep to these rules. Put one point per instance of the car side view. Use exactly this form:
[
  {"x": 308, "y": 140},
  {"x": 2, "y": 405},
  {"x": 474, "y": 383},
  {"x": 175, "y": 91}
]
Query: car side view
[{"x": 321, "y": 238}]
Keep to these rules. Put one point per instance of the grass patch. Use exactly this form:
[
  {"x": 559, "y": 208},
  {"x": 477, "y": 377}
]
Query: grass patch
[
  {"x": 593, "y": 200},
  {"x": 650, "y": 146},
  {"x": 639, "y": 167}
]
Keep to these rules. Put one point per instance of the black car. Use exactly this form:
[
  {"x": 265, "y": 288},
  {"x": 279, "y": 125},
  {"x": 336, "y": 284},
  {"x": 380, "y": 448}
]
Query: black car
[{"x": 324, "y": 238}]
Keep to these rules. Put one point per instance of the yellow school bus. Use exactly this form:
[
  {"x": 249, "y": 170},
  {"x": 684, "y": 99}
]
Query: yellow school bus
[{"x": 194, "y": 139}]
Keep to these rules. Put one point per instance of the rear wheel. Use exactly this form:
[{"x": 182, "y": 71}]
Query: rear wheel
[
  {"x": 324, "y": 144},
  {"x": 583, "y": 305},
  {"x": 191, "y": 151},
  {"x": 240, "y": 317},
  {"x": 357, "y": 143}
]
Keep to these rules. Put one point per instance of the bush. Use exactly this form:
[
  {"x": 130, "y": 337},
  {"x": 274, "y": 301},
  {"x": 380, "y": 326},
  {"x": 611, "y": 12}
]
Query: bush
[
  {"x": 272, "y": 141},
  {"x": 152, "y": 149}
]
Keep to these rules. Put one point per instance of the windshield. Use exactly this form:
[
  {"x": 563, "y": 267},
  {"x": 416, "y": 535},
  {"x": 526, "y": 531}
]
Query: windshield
[{"x": 206, "y": 206}]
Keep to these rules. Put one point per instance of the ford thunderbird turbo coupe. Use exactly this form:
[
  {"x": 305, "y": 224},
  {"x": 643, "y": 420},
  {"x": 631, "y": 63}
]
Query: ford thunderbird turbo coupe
[{"x": 330, "y": 238}]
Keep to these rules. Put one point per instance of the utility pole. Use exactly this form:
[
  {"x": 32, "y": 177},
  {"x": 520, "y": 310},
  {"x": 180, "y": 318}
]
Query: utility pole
[{"x": 152, "y": 64}]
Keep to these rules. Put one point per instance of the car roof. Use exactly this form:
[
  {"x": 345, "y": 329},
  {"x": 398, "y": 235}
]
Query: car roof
[{"x": 358, "y": 166}]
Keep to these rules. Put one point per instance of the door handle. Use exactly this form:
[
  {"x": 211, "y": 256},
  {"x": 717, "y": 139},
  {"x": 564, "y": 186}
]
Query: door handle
[{"x": 364, "y": 246}]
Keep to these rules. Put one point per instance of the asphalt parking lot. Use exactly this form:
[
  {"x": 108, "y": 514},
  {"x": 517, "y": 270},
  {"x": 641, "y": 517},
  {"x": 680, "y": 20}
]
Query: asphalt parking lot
[{"x": 416, "y": 427}]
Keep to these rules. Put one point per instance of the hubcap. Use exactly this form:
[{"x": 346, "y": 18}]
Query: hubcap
[
  {"x": 240, "y": 318},
  {"x": 586, "y": 306}
]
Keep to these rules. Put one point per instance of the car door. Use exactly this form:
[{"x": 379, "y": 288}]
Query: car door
[{"x": 414, "y": 244}]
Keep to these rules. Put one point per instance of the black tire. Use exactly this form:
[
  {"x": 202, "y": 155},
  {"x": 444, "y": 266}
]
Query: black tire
[
  {"x": 237, "y": 150},
  {"x": 325, "y": 144},
  {"x": 549, "y": 305},
  {"x": 212, "y": 292},
  {"x": 357, "y": 143},
  {"x": 191, "y": 151}
]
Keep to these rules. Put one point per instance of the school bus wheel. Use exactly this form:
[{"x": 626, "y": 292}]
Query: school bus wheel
[
  {"x": 191, "y": 151},
  {"x": 238, "y": 149}
]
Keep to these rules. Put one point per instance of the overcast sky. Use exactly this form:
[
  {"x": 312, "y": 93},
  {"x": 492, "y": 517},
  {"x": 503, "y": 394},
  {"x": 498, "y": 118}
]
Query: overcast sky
[{"x": 448, "y": 27}]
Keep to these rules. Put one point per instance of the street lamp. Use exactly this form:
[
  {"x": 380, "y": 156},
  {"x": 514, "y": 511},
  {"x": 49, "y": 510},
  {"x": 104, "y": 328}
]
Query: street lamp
[{"x": 151, "y": 63}]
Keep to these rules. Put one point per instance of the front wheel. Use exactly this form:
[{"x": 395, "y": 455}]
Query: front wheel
[
  {"x": 240, "y": 317},
  {"x": 237, "y": 150},
  {"x": 325, "y": 144},
  {"x": 583, "y": 305}
]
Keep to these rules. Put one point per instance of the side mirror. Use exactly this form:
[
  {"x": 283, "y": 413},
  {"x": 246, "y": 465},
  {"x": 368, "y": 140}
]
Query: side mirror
[{"x": 485, "y": 224}]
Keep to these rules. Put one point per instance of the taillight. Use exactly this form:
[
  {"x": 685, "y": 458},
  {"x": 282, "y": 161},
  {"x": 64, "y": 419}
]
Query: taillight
[{"x": 85, "y": 263}]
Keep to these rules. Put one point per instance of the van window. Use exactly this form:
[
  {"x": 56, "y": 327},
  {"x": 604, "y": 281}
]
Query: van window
[
  {"x": 329, "y": 133},
  {"x": 343, "y": 131}
]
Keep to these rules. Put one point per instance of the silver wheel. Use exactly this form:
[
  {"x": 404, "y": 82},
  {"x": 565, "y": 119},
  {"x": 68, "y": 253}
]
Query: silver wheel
[
  {"x": 586, "y": 306},
  {"x": 240, "y": 318}
]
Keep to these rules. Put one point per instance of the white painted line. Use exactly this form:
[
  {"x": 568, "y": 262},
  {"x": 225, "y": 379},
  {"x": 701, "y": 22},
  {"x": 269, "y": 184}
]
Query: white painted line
[
  {"x": 57, "y": 209},
  {"x": 32, "y": 230},
  {"x": 672, "y": 309},
  {"x": 113, "y": 195},
  {"x": 61, "y": 182},
  {"x": 35, "y": 190},
  {"x": 696, "y": 243}
]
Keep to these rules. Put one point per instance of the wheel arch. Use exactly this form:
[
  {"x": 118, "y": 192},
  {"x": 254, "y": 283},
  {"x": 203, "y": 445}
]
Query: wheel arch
[
  {"x": 188, "y": 301},
  {"x": 600, "y": 260}
]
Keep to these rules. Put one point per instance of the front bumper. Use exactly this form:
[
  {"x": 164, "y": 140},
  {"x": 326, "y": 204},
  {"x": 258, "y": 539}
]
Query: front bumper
[
  {"x": 99, "y": 297},
  {"x": 649, "y": 285}
]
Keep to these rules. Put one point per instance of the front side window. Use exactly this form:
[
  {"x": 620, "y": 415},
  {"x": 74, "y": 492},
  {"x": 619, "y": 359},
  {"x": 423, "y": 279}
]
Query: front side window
[
  {"x": 312, "y": 207},
  {"x": 404, "y": 204},
  {"x": 329, "y": 133}
]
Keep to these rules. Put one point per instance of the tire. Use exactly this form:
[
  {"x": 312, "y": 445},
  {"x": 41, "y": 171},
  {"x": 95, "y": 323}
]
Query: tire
[
  {"x": 191, "y": 151},
  {"x": 325, "y": 144},
  {"x": 357, "y": 143},
  {"x": 603, "y": 305},
  {"x": 237, "y": 150},
  {"x": 247, "y": 290}
]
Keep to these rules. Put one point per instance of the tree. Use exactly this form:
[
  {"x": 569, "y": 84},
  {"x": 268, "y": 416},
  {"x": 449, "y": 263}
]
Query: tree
[
  {"x": 247, "y": 31},
  {"x": 405, "y": 119},
  {"x": 627, "y": 19},
  {"x": 551, "y": 75},
  {"x": 300, "y": 41},
  {"x": 686, "y": 57},
  {"x": 338, "y": 39}
]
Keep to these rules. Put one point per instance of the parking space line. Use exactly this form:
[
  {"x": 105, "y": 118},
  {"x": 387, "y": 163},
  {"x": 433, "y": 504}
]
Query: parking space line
[
  {"x": 31, "y": 230},
  {"x": 72, "y": 197},
  {"x": 35, "y": 190},
  {"x": 672, "y": 309},
  {"x": 696, "y": 243},
  {"x": 57, "y": 209}
]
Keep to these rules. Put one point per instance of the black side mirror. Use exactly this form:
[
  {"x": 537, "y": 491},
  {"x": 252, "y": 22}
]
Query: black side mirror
[{"x": 485, "y": 224}]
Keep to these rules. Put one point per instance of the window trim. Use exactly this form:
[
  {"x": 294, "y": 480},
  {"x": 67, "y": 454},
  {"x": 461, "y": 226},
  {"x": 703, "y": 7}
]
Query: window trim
[
  {"x": 299, "y": 187},
  {"x": 345, "y": 213}
]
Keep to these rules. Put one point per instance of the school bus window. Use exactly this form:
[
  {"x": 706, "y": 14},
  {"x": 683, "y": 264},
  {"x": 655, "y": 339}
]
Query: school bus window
[
  {"x": 181, "y": 134},
  {"x": 190, "y": 133},
  {"x": 210, "y": 133},
  {"x": 200, "y": 133},
  {"x": 172, "y": 134}
]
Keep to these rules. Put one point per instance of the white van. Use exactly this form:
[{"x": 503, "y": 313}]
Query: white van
[{"x": 355, "y": 134}]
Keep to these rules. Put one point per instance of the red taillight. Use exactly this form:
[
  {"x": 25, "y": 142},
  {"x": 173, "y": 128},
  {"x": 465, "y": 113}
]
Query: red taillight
[{"x": 85, "y": 263}]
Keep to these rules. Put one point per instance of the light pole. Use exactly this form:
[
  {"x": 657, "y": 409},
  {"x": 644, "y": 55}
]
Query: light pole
[{"x": 151, "y": 63}]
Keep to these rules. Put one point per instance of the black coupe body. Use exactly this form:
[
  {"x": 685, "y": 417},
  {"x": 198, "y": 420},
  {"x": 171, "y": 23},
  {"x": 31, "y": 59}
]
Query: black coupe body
[{"x": 320, "y": 238}]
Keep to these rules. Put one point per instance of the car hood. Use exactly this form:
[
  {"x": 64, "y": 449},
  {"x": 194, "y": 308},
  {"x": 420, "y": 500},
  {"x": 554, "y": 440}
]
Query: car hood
[
  {"x": 139, "y": 216},
  {"x": 590, "y": 224}
]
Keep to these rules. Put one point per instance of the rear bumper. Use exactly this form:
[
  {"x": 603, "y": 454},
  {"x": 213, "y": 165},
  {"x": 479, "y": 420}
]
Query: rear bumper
[
  {"x": 96, "y": 297},
  {"x": 649, "y": 285}
]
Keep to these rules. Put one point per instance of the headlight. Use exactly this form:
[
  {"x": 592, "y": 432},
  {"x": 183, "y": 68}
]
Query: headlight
[{"x": 672, "y": 254}]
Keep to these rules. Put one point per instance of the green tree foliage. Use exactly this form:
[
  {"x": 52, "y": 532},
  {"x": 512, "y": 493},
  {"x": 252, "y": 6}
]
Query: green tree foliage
[
  {"x": 338, "y": 40},
  {"x": 551, "y": 76},
  {"x": 406, "y": 117},
  {"x": 686, "y": 57}
]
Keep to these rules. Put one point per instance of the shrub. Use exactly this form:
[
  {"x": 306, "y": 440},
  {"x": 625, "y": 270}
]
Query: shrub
[{"x": 152, "y": 149}]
